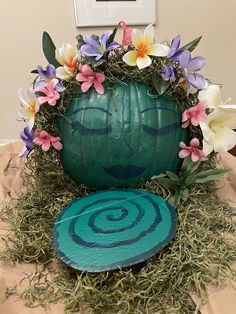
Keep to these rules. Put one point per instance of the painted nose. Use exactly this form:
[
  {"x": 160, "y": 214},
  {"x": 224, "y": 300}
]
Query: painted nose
[{"x": 127, "y": 140}]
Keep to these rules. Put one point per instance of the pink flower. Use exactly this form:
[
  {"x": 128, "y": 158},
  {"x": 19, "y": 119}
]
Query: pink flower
[
  {"x": 42, "y": 138},
  {"x": 127, "y": 34},
  {"x": 193, "y": 150},
  {"x": 89, "y": 78},
  {"x": 51, "y": 93},
  {"x": 195, "y": 114}
]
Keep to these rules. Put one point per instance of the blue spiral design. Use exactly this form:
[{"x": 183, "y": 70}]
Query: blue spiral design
[{"x": 115, "y": 228}]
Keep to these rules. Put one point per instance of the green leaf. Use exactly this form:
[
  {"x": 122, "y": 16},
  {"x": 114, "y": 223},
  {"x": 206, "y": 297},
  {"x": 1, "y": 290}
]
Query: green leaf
[
  {"x": 90, "y": 60},
  {"x": 192, "y": 45},
  {"x": 112, "y": 37},
  {"x": 184, "y": 194},
  {"x": 189, "y": 180},
  {"x": 80, "y": 41},
  {"x": 189, "y": 166},
  {"x": 97, "y": 63},
  {"x": 34, "y": 71},
  {"x": 174, "y": 200},
  {"x": 172, "y": 176},
  {"x": 160, "y": 84},
  {"x": 161, "y": 175},
  {"x": 208, "y": 175},
  {"x": 167, "y": 183},
  {"x": 49, "y": 49}
]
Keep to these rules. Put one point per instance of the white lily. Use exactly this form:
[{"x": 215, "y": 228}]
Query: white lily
[
  {"x": 212, "y": 94},
  {"x": 218, "y": 134},
  {"x": 68, "y": 58},
  {"x": 29, "y": 104},
  {"x": 145, "y": 47}
]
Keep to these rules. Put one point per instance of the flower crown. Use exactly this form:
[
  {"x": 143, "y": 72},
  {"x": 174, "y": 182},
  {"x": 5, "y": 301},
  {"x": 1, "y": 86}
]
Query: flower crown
[{"x": 101, "y": 62}]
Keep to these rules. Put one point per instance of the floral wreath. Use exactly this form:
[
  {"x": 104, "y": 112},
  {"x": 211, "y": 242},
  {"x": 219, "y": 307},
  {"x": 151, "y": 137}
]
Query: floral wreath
[{"x": 101, "y": 62}]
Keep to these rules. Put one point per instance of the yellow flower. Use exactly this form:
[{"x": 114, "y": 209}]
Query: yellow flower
[
  {"x": 145, "y": 47},
  {"x": 29, "y": 104},
  {"x": 68, "y": 57}
]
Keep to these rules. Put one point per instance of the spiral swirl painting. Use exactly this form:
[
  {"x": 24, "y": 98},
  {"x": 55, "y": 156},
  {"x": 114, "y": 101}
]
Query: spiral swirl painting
[{"x": 113, "y": 229}]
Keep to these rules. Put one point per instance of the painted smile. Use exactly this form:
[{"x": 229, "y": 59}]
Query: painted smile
[{"x": 125, "y": 172}]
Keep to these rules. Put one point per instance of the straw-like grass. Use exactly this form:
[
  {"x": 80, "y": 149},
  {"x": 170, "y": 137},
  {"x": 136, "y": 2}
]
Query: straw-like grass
[{"x": 200, "y": 254}]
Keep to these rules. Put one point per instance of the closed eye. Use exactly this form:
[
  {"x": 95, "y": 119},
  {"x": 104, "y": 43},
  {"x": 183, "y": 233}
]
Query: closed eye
[
  {"x": 90, "y": 108},
  {"x": 157, "y": 108},
  {"x": 162, "y": 131},
  {"x": 83, "y": 130},
  {"x": 78, "y": 127}
]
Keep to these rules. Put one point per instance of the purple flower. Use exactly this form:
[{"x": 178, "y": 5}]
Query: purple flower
[
  {"x": 98, "y": 48},
  {"x": 27, "y": 137},
  {"x": 46, "y": 76},
  {"x": 174, "y": 48},
  {"x": 190, "y": 67},
  {"x": 169, "y": 73}
]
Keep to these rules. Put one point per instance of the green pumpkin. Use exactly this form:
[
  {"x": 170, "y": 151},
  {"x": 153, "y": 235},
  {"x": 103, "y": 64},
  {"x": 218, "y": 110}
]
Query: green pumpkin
[{"x": 119, "y": 137}]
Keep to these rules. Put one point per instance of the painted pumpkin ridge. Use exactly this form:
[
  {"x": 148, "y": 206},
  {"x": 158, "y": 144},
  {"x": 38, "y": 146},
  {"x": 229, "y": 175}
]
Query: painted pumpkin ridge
[{"x": 144, "y": 134}]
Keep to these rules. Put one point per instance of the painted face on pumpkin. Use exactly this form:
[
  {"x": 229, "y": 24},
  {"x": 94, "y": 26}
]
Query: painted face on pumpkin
[{"x": 113, "y": 139}]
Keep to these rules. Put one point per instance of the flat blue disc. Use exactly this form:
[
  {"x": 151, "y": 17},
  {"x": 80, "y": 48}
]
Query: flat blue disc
[{"x": 113, "y": 229}]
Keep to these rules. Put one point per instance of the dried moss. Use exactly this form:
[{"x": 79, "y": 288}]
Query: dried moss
[{"x": 199, "y": 255}]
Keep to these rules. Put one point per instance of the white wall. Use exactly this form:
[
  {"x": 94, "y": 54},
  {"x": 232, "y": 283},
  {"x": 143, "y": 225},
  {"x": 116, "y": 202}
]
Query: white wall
[{"x": 23, "y": 22}]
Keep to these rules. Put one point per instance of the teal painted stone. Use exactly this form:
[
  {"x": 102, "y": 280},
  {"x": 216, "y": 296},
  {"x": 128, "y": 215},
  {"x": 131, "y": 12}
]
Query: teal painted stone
[
  {"x": 112, "y": 229},
  {"x": 116, "y": 139}
]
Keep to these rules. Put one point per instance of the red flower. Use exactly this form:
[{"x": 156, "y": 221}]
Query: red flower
[
  {"x": 42, "y": 138},
  {"x": 127, "y": 34},
  {"x": 50, "y": 92},
  {"x": 193, "y": 150},
  {"x": 89, "y": 78},
  {"x": 195, "y": 114}
]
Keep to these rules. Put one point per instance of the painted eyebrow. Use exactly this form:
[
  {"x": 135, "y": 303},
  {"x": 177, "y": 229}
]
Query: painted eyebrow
[
  {"x": 87, "y": 108},
  {"x": 155, "y": 108}
]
